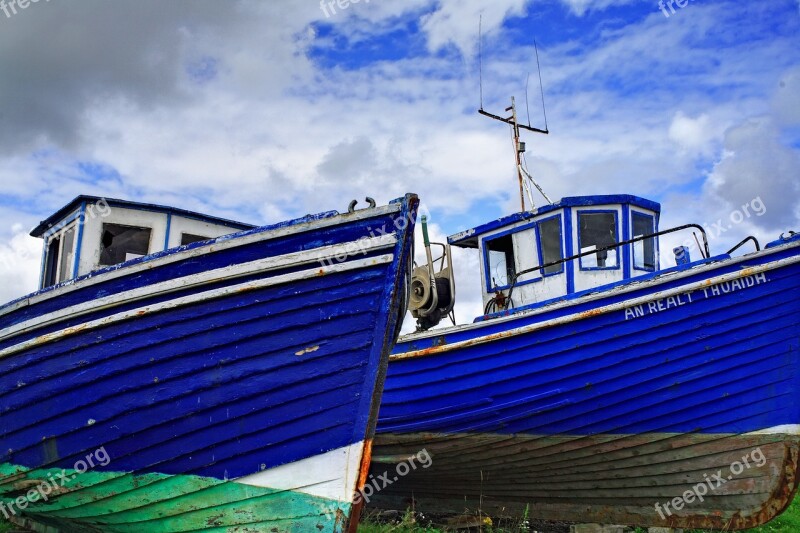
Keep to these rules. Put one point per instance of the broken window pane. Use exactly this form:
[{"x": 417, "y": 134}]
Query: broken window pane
[{"x": 123, "y": 243}]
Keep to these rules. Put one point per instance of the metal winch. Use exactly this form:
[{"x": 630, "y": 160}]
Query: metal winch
[{"x": 433, "y": 293}]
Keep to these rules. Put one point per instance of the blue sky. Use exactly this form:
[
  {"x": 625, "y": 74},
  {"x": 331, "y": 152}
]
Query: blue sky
[{"x": 262, "y": 111}]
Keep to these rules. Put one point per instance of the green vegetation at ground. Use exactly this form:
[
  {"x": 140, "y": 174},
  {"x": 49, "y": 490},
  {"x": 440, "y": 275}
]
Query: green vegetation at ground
[{"x": 788, "y": 522}]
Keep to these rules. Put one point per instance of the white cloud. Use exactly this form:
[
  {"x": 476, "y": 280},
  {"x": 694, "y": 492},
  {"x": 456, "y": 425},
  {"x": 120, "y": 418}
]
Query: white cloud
[
  {"x": 451, "y": 22},
  {"x": 274, "y": 133},
  {"x": 456, "y": 21},
  {"x": 756, "y": 164},
  {"x": 580, "y": 7},
  {"x": 19, "y": 264},
  {"x": 786, "y": 103},
  {"x": 694, "y": 135}
]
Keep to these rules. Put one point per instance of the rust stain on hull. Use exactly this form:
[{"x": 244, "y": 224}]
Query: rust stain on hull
[{"x": 363, "y": 473}]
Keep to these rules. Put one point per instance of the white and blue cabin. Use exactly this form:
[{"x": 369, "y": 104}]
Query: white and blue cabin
[
  {"x": 92, "y": 233},
  {"x": 517, "y": 245}
]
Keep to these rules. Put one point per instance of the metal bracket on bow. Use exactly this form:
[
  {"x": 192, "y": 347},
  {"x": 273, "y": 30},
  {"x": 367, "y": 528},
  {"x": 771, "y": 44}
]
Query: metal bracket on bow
[{"x": 352, "y": 207}]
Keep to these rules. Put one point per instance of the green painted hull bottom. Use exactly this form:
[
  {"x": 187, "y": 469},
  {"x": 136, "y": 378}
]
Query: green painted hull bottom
[{"x": 116, "y": 502}]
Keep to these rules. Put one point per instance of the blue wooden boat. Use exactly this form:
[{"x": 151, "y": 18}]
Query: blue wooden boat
[
  {"x": 228, "y": 382},
  {"x": 603, "y": 393},
  {"x": 601, "y": 385}
]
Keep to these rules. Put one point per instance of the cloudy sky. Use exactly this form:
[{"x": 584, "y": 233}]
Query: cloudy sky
[{"x": 267, "y": 110}]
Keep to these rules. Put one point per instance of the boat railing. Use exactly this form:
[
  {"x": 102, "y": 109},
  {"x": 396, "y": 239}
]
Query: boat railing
[
  {"x": 745, "y": 241},
  {"x": 706, "y": 253}
]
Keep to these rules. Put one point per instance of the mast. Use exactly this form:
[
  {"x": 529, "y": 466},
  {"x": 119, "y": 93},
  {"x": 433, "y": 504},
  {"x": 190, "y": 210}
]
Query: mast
[
  {"x": 518, "y": 149},
  {"x": 519, "y": 146}
]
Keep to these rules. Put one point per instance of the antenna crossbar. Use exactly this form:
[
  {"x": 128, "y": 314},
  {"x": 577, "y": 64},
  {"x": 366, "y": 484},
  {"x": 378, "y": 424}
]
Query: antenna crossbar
[{"x": 510, "y": 120}]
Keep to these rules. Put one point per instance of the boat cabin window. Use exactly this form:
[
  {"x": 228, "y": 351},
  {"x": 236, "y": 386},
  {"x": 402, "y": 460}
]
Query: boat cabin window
[
  {"x": 644, "y": 252},
  {"x": 67, "y": 256},
  {"x": 188, "y": 238},
  {"x": 598, "y": 229},
  {"x": 550, "y": 242},
  {"x": 499, "y": 254},
  {"x": 51, "y": 266},
  {"x": 60, "y": 259},
  {"x": 123, "y": 243}
]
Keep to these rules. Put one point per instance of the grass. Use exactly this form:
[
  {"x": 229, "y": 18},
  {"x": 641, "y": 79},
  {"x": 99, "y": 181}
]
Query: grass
[{"x": 788, "y": 522}]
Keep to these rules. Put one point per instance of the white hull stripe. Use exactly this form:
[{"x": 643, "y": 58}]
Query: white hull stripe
[
  {"x": 331, "y": 475},
  {"x": 199, "y": 297},
  {"x": 599, "y": 311},
  {"x": 320, "y": 255},
  {"x": 632, "y": 285},
  {"x": 221, "y": 243}
]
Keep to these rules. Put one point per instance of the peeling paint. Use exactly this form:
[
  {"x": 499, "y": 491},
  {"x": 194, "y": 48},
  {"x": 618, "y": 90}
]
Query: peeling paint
[{"x": 307, "y": 350}]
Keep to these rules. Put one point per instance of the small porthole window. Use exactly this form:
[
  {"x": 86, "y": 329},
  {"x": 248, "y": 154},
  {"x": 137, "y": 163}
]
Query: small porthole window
[{"x": 122, "y": 243}]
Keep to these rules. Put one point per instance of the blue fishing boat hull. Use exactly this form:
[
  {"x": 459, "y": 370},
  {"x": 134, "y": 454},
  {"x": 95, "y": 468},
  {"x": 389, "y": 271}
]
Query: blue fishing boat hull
[
  {"x": 669, "y": 401},
  {"x": 229, "y": 385}
]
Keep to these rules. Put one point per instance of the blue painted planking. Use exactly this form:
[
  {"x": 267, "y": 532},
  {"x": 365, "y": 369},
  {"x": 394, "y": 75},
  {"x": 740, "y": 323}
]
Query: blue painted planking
[
  {"x": 219, "y": 387},
  {"x": 775, "y": 287},
  {"x": 205, "y": 321},
  {"x": 104, "y": 385},
  {"x": 612, "y": 375},
  {"x": 595, "y": 405},
  {"x": 244, "y": 393}
]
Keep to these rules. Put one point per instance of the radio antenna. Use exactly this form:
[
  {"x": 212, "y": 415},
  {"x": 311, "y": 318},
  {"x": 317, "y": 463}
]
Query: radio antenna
[
  {"x": 528, "y": 107},
  {"x": 541, "y": 87},
  {"x": 513, "y": 121},
  {"x": 480, "y": 56}
]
